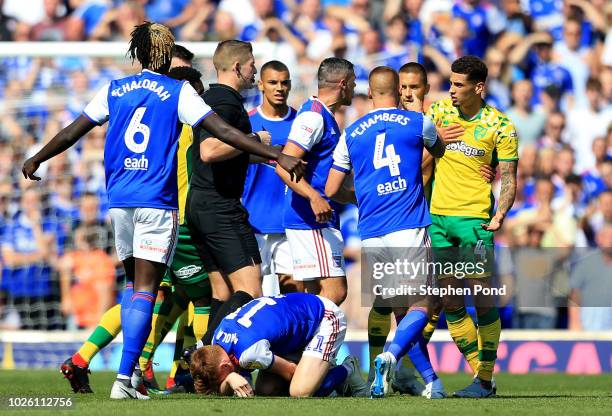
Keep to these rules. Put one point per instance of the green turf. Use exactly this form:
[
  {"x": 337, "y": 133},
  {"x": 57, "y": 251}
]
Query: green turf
[{"x": 519, "y": 395}]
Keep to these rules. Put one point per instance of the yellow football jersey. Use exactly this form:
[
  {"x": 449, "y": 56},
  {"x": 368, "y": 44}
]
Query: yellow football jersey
[
  {"x": 459, "y": 189},
  {"x": 184, "y": 168}
]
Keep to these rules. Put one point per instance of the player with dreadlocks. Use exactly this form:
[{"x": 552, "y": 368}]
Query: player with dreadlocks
[{"x": 145, "y": 112}]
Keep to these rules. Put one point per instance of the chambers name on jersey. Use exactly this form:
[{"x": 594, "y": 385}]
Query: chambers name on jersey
[
  {"x": 459, "y": 189},
  {"x": 384, "y": 148}
]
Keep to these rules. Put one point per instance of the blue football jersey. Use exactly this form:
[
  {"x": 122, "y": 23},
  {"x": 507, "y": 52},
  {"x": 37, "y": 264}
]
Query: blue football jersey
[
  {"x": 145, "y": 112},
  {"x": 264, "y": 191},
  {"x": 266, "y": 326},
  {"x": 315, "y": 130},
  {"x": 384, "y": 148}
]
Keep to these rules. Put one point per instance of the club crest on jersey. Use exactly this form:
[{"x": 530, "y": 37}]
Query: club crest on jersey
[{"x": 480, "y": 132}]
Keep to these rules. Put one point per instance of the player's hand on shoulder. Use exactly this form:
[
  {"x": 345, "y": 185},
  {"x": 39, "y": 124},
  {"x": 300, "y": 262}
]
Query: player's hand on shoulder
[
  {"x": 451, "y": 133},
  {"x": 487, "y": 172},
  {"x": 239, "y": 385},
  {"x": 295, "y": 166},
  {"x": 29, "y": 167},
  {"x": 321, "y": 208}
]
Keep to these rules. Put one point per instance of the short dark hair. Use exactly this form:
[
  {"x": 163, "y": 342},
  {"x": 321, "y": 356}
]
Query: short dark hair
[
  {"x": 593, "y": 84},
  {"x": 332, "y": 69},
  {"x": 472, "y": 66},
  {"x": 183, "y": 53},
  {"x": 414, "y": 68},
  {"x": 185, "y": 73},
  {"x": 230, "y": 51},
  {"x": 274, "y": 65}
]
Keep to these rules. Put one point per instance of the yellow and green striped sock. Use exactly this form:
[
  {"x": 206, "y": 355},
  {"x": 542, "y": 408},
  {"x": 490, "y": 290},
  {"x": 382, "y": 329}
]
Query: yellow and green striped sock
[
  {"x": 379, "y": 325},
  {"x": 431, "y": 326},
  {"x": 463, "y": 331},
  {"x": 489, "y": 330},
  {"x": 105, "y": 332},
  {"x": 200, "y": 321}
]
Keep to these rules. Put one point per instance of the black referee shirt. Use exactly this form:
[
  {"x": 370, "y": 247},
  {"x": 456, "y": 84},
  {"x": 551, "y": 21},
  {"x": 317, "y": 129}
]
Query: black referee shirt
[{"x": 226, "y": 178}]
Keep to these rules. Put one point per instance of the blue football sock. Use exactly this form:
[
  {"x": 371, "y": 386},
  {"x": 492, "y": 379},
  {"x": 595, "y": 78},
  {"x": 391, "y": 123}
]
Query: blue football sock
[
  {"x": 126, "y": 300},
  {"x": 136, "y": 329},
  {"x": 420, "y": 358},
  {"x": 407, "y": 333},
  {"x": 333, "y": 379}
]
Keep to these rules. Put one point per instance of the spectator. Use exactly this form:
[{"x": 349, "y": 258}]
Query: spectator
[
  {"x": 498, "y": 80},
  {"x": 591, "y": 288},
  {"x": 86, "y": 17},
  {"x": 483, "y": 22},
  {"x": 539, "y": 67},
  {"x": 586, "y": 124},
  {"x": 578, "y": 59},
  {"x": 594, "y": 178},
  {"x": 8, "y": 25},
  {"x": 397, "y": 49},
  {"x": 87, "y": 276},
  {"x": 29, "y": 250},
  {"x": 54, "y": 26},
  {"x": 553, "y": 131},
  {"x": 529, "y": 122},
  {"x": 534, "y": 270}
]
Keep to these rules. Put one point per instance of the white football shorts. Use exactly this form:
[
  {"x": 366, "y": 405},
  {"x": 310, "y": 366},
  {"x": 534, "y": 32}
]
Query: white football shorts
[
  {"x": 145, "y": 233},
  {"x": 316, "y": 253},
  {"x": 329, "y": 337}
]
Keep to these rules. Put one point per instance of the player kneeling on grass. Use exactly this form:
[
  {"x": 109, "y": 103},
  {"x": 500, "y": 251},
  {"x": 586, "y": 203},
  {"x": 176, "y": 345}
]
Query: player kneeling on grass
[{"x": 257, "y": 337}]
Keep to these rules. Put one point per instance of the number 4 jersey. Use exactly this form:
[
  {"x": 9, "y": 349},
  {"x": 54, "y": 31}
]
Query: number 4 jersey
[
  {"x": 145, "y": 112},
  {"x": 384, "y": 148},
  {"x": 266, "y": 326}
]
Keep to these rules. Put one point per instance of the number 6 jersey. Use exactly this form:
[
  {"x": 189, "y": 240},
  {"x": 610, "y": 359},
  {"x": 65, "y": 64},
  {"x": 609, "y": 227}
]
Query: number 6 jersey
[
  {"x": 145, "y": 112},
  {"x": 266, "y": 326},
  {"x": 384, "y": 148}
]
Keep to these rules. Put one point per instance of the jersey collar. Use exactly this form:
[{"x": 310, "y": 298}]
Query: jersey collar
[
  {"x": 478, "y": 114},
  {"x": 265, "y": 117}
]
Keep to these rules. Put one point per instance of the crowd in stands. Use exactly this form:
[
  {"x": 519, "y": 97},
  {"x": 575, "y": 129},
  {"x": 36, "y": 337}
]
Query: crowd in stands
[{"x": 550, "y": 70}]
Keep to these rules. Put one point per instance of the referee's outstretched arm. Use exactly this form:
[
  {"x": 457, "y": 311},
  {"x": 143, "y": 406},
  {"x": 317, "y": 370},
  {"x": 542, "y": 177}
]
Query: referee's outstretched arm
[{"x": 234, "y": 137}]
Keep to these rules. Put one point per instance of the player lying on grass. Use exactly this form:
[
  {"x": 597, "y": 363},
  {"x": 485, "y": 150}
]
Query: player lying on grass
[{"x": 262, "y": 333}]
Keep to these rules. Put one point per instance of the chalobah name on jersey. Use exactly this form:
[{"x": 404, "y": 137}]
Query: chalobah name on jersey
[
  {"x": 390, "y": 117},
  {"x": 465, "y": 149},
  {"x": 142, "y": 83}
]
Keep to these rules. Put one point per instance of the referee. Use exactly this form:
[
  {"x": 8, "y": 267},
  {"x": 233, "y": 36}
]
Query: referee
[{"x": 214, "y": 212}]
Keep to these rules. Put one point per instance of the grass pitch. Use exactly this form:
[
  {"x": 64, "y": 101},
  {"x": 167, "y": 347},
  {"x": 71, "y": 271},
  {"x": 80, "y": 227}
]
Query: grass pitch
[{"x": 518, "y": 395}]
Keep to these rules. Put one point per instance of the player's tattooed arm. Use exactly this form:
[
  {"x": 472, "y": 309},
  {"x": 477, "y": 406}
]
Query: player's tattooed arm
[
  {"x": 62, "y": 141},
  {"x": 506, "y": 196}
]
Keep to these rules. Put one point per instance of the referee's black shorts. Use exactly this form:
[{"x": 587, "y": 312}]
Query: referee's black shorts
[{"x": 221, "y": 231}]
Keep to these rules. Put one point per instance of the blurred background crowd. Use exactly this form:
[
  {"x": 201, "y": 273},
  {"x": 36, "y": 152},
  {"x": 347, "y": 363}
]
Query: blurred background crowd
[{"x": 550, "y": 70}]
